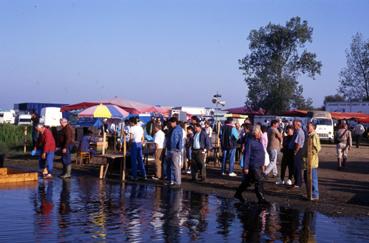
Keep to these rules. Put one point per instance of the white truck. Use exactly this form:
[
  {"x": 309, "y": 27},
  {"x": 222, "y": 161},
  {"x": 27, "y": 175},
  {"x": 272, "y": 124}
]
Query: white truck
[
  {"x": 7, "y": 117},
  {"x": 50, "y": 116},
  {"x": 24, "y": 119},
  {"x": 324, "y": 124}
]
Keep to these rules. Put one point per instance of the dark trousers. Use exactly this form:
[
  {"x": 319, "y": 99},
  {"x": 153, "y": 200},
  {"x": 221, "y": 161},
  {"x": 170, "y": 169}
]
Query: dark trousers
[
  {"x": 198, "y": 164},
  {"x": 297, "y": 168},
  {"x": 287, "y": 161},
  {"x": 254, "y": 176},
  {"x": 67, "y": 156},
  {"x": 357, "y": 140}
]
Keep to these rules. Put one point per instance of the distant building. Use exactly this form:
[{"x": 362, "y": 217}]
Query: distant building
[
  {"x": 29, "y": 107},
  {"x": 346, "y": 106}
]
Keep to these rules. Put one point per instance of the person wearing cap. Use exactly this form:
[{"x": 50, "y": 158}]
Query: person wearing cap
[
  {"x": 46, "y": 143},
  {"x": 229, "y": 139},
  {"x": 66, "y": 146},
  {"x": 174, "y": 147}
]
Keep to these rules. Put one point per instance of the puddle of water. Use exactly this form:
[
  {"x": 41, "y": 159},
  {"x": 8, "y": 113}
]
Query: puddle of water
[{"x": 87, "y": 209}]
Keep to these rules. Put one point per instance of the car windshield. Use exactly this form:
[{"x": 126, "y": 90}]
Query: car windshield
[
  {"x": 25, "y": 120},
  {"x": 319, "y": 121}
]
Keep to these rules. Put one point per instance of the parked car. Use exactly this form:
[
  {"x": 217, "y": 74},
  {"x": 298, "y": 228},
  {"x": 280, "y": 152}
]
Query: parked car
[
  {"x": 7, "y": 117},
  {"x": 24, "y": 119},
  {"x": 50, "y": 116}
]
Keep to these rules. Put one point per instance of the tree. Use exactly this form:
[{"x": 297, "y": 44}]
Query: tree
[
  {"x": 277, "y": 58},
  {"x": 354, "y": 78},
  {"x": 333, "y": 98}
]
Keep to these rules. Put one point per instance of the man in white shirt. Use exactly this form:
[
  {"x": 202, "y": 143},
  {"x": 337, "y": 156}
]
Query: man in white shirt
[
  {"x": 159, "y": 140},
  {"x": 136, "y": 135},
  {"x": 358, "y": 133}
]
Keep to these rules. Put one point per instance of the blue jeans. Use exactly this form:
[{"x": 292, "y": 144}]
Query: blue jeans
[
  {"x": 314, "y": 182},
  {"x": 273, "y": 153},
  {"x": 48, "y": 162},
  {"x": 136, "y": 160},
  {"x": 67, "y": 157},
  {"x": 174, "y": 170},
  {"x": 232, "y": 155}
]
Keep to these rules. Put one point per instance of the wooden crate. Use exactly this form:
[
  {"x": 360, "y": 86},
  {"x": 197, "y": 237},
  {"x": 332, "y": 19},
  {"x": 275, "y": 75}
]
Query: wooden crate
[{"x": 12, "y": 176}]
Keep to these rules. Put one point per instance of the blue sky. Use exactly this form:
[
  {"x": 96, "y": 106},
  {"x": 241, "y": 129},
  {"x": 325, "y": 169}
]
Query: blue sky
[{"x": 158, "y": 52}]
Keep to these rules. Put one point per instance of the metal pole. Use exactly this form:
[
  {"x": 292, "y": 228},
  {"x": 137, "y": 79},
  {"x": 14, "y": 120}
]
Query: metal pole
[{"x": 25, "y": 140}]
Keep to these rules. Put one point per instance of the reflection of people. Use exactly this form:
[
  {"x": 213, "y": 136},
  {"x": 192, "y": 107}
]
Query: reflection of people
[
  {"x": 66, "y": 144},
  {"x": 308, "y": 227},
  {"x": 64, "y": 207},
  {"x": 254, "y": 160},
  {"x": 290, "y": 223},
  {"x": 46, "y": 197},
  {"x": 253, "y": 223},
  {"x": 171, "y": 226},
  {"x": 46, "y": 143}
]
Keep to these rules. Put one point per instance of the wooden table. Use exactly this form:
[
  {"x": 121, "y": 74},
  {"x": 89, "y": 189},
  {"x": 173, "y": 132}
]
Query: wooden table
[{"x": 110, "y": 158}]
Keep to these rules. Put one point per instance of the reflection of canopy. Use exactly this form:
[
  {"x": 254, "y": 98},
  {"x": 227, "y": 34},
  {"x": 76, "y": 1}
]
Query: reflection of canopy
[
  {"x": 130, "y": 106},
  {"x": 245, "y": 110}
]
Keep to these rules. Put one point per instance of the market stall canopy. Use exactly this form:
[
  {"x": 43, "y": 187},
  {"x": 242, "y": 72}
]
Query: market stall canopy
[
  {"x": 104, "y": 111},
  {"x": 245, "y": 110},
  {"x": 130, "y": 106},
  {"x": 361, "y": 117},
  {"x": 299, "y": 113}
]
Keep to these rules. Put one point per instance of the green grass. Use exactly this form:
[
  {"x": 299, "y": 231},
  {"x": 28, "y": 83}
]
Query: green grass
[{"x": 12, "y": 136}]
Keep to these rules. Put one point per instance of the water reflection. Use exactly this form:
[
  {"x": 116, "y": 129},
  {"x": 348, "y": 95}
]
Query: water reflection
[{"x": 86, "y": 209}]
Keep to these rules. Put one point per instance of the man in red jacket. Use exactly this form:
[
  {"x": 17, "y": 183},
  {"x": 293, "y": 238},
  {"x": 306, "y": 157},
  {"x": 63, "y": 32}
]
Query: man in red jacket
[{"x": 46, "y": 144}]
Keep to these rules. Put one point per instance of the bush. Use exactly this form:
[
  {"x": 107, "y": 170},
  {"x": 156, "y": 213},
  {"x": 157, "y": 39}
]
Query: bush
[
  {"x": 3, "y": 148},
  {"x": 12, "y": 136}
]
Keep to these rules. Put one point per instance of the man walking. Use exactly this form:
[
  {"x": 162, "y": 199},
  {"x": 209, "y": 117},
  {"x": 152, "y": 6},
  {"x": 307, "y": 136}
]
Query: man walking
[
  {"x": 174, "y": 149},
  {"x": 229, "y": 139},
  {"x": 201, "y": 143},
  {"x": 274, "y": 145},
  {"x": 254, "y": 155},
  {"x": 344, "y": 144},
  {"x": 66, "y": 145}
]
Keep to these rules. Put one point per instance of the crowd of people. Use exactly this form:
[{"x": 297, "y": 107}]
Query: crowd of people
[{"x": 185, "y": 147}]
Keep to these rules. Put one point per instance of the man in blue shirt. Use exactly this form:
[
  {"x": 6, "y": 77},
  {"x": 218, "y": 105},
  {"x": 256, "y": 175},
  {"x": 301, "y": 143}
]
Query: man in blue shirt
[
  {"x": 174, "y": 147},
  {"x": 297, "y": 145},
  {"x": 254, "y": 157},
  {"x": 201, "y": 143}
]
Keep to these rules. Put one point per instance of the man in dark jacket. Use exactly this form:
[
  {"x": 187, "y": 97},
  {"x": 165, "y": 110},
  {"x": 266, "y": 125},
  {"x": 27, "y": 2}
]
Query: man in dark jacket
[
  {"x": 66, "y": 145},
  {"x": 253, "y": 169},
  {"x": 201, "y": 143}
]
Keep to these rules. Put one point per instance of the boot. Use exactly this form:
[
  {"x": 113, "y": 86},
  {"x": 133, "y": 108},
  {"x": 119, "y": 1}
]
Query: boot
[
  {"x": 339, "y": 164},
  {"x": 344, "y": 162},
  {"x": 68, "y": 172}
]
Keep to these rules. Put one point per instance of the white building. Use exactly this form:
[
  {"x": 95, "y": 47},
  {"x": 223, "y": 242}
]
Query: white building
[{"x": 345, "y": 106}]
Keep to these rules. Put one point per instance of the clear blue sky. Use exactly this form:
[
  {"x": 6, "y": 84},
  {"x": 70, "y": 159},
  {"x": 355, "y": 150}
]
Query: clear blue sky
[{"x": 160, "y": 52}]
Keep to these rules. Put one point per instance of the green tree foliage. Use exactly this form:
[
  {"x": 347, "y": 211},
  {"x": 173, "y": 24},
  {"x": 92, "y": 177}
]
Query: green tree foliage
[
  {"x": 333, "y": 98},
  {"x": 277, "y": 58},
  {"x": 13, "y": 136},
  {"x": 354, "y": 78}
]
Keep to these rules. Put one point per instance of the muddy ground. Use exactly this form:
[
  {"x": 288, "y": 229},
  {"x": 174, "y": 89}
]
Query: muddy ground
[{"x": 342, "y": 193}]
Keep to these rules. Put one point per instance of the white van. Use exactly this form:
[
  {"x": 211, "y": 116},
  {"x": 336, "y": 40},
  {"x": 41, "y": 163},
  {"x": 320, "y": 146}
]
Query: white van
[
  {"x": 324, "y": 124},
  {"x": 7, "y": 117},
  {"x": 50, "y": 116},
  {"x": 24, "y": 119}
]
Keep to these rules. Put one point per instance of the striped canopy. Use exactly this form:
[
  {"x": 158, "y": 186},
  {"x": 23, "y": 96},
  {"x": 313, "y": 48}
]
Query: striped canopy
[{"x": 104, "y": 111}]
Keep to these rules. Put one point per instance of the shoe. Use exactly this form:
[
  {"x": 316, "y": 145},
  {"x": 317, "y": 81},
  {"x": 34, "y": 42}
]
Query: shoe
[
  {"x": 144, "y": 178},
  {"x": 296, "y": 187},
  {"x": 223, "y": 174},
  {"x": 155, "y": 178},
  {"x": 315, "y": 199},
  {"x": 232, "y": 174},
  {"x": 48, "y": 176},
  {"x": 239, "y": 197},
  {"x": 188, "y": 172},
  {"x": 289, "y": 182},
  {"x": 279, "y": 182},
  {"x": 68, "y": 172}
]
